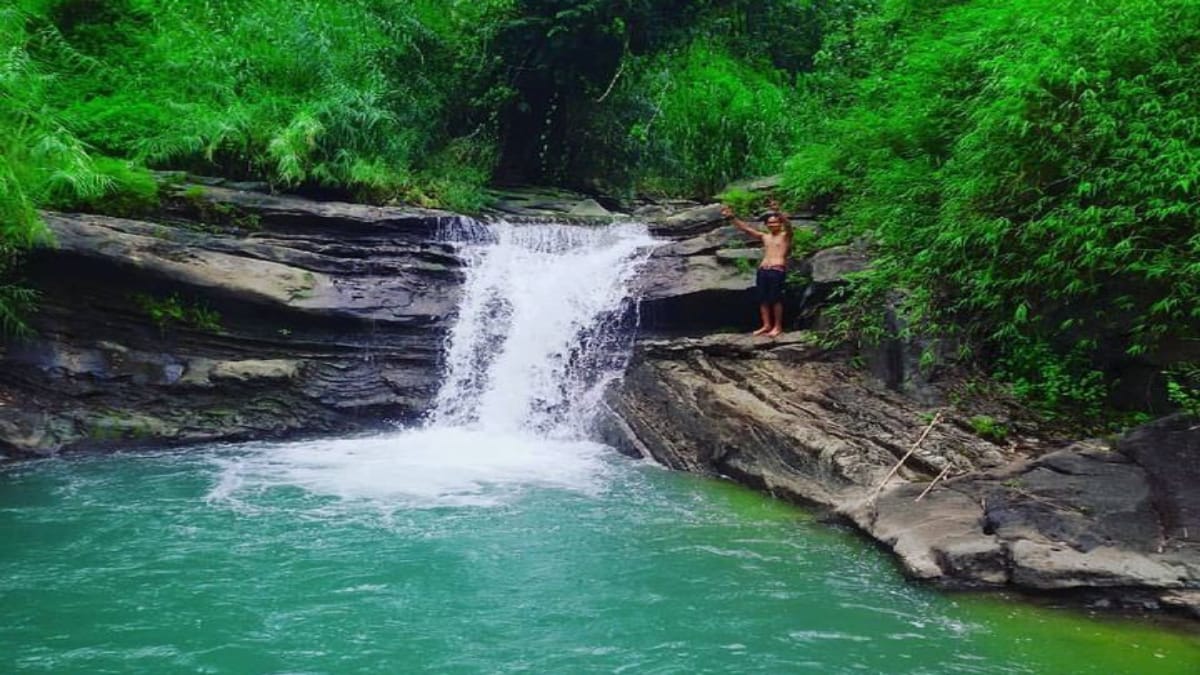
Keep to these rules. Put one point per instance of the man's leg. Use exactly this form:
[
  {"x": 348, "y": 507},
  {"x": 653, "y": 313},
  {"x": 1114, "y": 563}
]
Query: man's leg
[
  {"x": 777, "y": 328},
  {"x": 764, "y": 313}
]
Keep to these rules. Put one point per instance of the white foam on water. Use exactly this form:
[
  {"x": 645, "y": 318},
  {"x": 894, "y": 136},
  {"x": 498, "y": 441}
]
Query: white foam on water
[
  {"x": 540, "y": 331},
  {"x": 420, "y": 468}
]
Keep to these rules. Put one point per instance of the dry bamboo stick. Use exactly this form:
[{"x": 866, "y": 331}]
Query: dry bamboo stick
[
  {"x": 934, "y": 481},
  {"x": 875, "y": 492}
]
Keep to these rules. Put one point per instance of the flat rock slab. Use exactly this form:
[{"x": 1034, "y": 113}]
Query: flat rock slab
[
  {"x": 1056, "y": 566},
  {"x": 689, "y": 223},
  {"x": 833, "y": 265},
  {"x": 534, "y": 202},
  {"x": 110, "y": 239},
  {"x": 297, "y": 213},
  {"x": 255, "y": 369},
  {"x": 942, "y": 535}
]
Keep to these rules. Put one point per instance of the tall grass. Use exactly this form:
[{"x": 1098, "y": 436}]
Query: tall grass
[
  {"x": 40, "y": 161},
  {"x": 329, "y": 94}
]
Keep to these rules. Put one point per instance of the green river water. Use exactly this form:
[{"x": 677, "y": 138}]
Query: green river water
[{"x": 450, "y": 552}]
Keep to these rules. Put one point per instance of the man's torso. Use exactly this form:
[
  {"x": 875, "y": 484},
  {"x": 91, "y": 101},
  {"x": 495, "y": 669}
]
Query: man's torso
[{"x": 775, "y": 250}]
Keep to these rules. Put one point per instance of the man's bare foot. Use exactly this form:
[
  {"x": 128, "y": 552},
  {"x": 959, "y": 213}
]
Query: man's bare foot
[
  {"x": 761, "y": 331},
  {"x": 773, "y": 332}
]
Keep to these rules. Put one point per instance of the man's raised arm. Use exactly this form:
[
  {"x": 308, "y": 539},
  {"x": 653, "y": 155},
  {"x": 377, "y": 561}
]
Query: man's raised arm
[
  {"x": 773, "y": 204},
  {"x": 740, "y": 224}
]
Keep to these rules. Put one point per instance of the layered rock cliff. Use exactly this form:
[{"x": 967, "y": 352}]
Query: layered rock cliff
[
  {"x": 230, "y": 315},
  {"x": 794, "y": 420}
]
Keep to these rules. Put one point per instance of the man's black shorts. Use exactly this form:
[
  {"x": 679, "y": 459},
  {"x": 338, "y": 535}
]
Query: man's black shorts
[{"x": 769, "y": 284}]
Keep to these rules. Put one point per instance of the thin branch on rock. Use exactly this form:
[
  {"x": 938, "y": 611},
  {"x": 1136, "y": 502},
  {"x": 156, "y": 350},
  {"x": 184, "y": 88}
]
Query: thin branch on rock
[
  {"x": 875, "y": 492},
  {"x": 620, "y": 69},
  {"x": 934, "y": 481}
]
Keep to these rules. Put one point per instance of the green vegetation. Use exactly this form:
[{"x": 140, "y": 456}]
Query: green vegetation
[
  {"x": 745, "y": 203},
  {"x": 39, "y": 161},
  {"x": 718, "y": 118},
  {"x": 1024, "y": 172},
  {"x": 212, "y": 216},
  {"x": 131, "y": 191},
  {"x": 988, "y": 428},
  {"x": 1183, "y": 387},
  {"x": 171, "y": 311}
]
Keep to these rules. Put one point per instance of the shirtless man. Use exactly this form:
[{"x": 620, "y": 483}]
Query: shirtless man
[{"x": 777, "y": 244}]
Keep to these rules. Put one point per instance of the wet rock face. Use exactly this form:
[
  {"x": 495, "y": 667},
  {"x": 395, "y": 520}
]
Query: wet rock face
[
  {"x": 234, "y": 315},
  {"x": 1169, "y": 450}
]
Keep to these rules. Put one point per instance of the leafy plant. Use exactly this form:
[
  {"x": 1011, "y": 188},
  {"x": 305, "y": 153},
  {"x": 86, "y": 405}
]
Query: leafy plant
[
  {"x": 1025, "y": 173},
  {"x": 745, "y": 266},
  {"x": 40, "y": 161},
  {"x": 715, "y": 118},
  {"x": 350, "y": 96},
  {"x": 131, "y": 191},
  {"x": 170, "y": 311},
  {"x": 988, "y": 428},
  {"x": 1183, "y": 387},
  {"x": 805, "y": 242},
  {"x": 745, "y": 203}
]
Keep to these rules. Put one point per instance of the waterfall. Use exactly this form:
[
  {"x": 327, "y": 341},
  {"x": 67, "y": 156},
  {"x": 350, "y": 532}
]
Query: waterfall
[{"x": 541, "y": 326}]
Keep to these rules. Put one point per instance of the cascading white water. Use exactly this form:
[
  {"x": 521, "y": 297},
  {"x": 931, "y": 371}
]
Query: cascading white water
[
  {"x": 539, "y": 326},
  {"x": 539, "y": 333}
]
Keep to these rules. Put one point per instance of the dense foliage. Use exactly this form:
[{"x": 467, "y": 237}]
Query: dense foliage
[
  {"x": 40, "y": 161},
  {"x": 1025, "y": 172},
  {"x": 340, "y": 95}
]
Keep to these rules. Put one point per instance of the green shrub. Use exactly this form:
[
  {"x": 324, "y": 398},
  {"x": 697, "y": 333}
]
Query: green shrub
[
  {"x": 131, "y": 191},
  {"x": 352, "y": 96},
  {"x": 172, "y": 311},
  {"x": 805, "y": 242},
  {"x": 41, "y": 161},
  {"x": 745, "y": 203},
  {"x": 716, "y": 118},
  {"x": 988, "y": 428},
  {"x": 1026, "y": 173},
  {"x": 1183, "y": 387}
]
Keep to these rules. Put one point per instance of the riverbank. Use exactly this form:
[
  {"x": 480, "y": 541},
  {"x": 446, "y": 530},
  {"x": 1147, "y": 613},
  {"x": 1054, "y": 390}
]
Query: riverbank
[{"x": 1113, "y": 527}]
